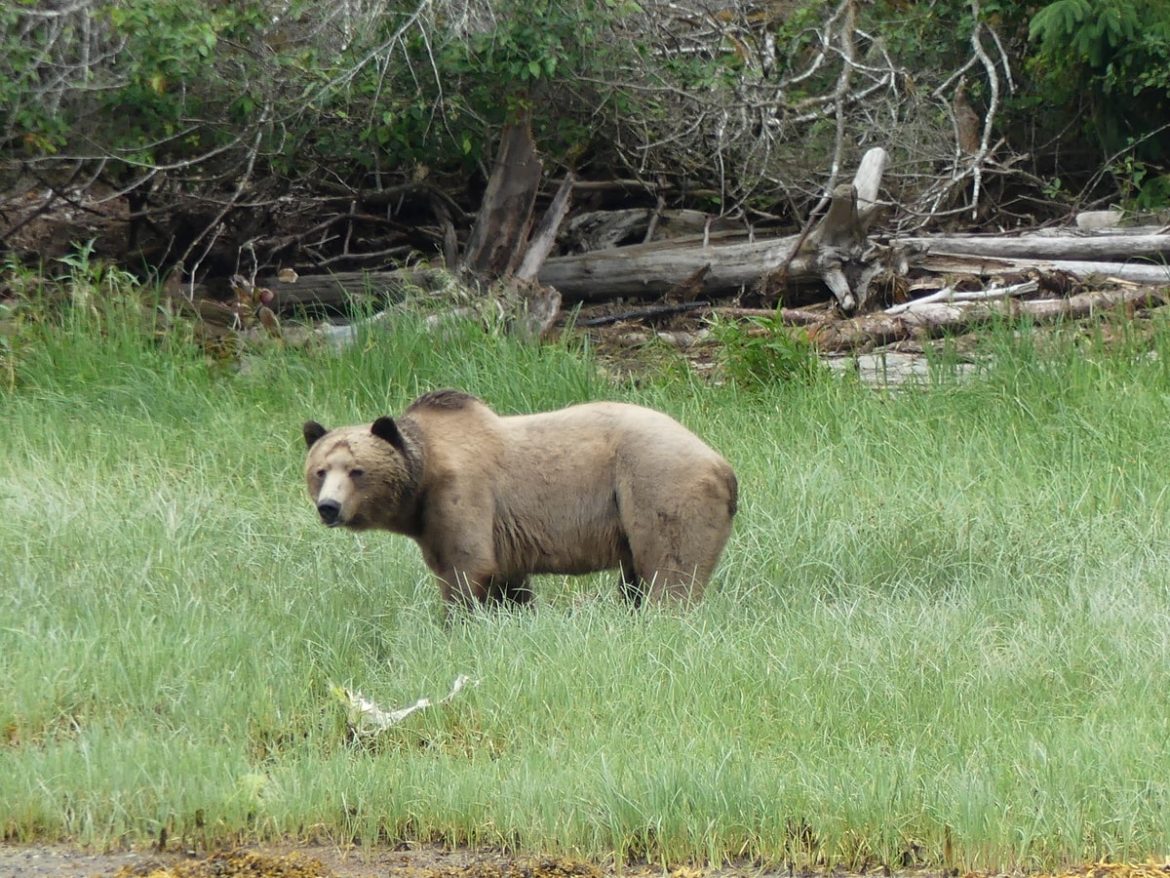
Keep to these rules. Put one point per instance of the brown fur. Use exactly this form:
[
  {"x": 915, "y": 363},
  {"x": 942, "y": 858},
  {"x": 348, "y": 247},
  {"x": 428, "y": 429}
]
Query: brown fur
[{"x": 491, "y": 500}]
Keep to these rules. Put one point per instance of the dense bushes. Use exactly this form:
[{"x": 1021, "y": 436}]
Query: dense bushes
[
  {"x": 1113, "y": 58},
  {"x": 743, "y": 105},
  {"x": 361, "y": 86}
]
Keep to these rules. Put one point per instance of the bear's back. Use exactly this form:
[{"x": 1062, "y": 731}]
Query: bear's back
[{"x": 616, "y": 429}]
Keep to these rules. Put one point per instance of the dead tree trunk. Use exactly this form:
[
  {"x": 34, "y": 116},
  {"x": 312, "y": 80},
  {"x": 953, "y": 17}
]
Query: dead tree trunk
[
  {"x": 499, "y": 251},
  {"x": 839, "y": 242},
  {"x": 497, "y": 239}
]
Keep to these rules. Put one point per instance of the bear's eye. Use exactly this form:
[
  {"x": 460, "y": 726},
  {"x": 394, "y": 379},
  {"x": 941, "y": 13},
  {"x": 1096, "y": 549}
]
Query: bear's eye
[
  {"x": 321, "y": 473},
  {"x": 356, "y": 473}
]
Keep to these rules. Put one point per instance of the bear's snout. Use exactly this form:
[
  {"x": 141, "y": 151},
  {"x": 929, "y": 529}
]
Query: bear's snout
[{"x": 330, "y": 511}]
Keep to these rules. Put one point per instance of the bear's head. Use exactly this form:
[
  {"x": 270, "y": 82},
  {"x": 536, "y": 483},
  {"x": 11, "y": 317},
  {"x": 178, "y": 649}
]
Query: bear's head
[{"x": 362, "y": 477}]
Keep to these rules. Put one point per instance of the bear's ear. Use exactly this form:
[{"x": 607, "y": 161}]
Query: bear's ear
[
  {"x": 313, "y": 432},
  {"x": 386, "y": 430}
]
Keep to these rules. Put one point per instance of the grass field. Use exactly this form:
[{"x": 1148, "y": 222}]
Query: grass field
[{"x": 940, "y": 633}]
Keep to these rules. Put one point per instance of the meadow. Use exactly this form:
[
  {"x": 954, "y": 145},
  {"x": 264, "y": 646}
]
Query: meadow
[{"x": 940, "y": 633}]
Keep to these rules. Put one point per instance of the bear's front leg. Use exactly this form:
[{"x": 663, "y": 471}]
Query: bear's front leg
[
  {"x": 457, "y": 544},
  {"x": 461, "y": 587},
  {"x": 463, "y": 566}
]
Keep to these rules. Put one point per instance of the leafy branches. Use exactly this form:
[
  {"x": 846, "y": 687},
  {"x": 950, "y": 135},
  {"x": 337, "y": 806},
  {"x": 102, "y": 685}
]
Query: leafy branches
[
  {"x": 1072, "y": 32},
  {"x": 1115, "y": 54},
  {"x": 220, "y": 114}
]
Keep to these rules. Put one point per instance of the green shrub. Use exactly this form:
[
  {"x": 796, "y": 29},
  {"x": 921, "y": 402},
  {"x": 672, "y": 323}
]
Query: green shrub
[
  {"x": 764, "y": 352},
  {"x": 1114, "y": 54}
]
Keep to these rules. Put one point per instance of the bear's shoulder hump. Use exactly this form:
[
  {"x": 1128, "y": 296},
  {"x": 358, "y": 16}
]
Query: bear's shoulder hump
[{"x": 444, "y": 399}]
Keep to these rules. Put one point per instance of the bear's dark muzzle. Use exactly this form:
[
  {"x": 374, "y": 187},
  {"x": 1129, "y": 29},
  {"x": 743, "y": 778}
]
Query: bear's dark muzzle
[{"x": 330, "y": 512}]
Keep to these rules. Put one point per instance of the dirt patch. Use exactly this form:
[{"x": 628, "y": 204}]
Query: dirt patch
[
  {"x": 310, "y": 860},
  {"x": 43, "y": 862},
  {"x": 288, "y": 860}
]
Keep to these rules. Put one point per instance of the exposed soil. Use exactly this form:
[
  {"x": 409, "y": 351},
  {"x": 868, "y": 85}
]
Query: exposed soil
[
  {"x": 306, "y": 860},
  {"x": 286, "y": 860},
  {"x": 309, "y": 860}
]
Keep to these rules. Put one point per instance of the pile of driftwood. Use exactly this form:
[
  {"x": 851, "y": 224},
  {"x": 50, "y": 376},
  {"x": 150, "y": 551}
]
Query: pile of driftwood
[{"x": 879, "y": 288}]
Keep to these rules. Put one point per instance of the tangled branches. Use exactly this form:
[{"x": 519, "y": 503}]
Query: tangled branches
[
  {"x": 202, "y": 117},
  {"x": 212, "y": 119},
  {"x": 772, "y": 125}
]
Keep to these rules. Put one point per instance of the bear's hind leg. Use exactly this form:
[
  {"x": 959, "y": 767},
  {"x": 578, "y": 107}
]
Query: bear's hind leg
[
  {"x": 513, "y": 592},
  {"x": 677, "y": 558}
]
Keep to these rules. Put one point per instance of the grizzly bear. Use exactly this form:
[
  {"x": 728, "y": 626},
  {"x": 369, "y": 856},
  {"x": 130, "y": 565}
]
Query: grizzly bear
[{"x": 491, "y": 500}]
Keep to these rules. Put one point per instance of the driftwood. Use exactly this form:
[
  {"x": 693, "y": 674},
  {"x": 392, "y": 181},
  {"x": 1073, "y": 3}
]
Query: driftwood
[
  {"x": 513, "y": 280},
  {"x": 834, "y": 252},
  {"x": 934, "y": 320},
  {"x": 646, "y": 271},
  {"x": 950, "y": 294},
  {"x": 650, "y": 270},
  {"x": 653, "y": 270},
  {"x": 1133, "y": 272},
  {"x": 837, "y": 252},
  {"x": 637, "y": 272},
  {"x": 915, "y": 321},
  {"x": 604, "y": 229},
  {"x": 839, "y": 242},
  {"x": 831, "y": 335},
  {"x": 344, "y": 292},
  {"x": 1083, "y": 247}
]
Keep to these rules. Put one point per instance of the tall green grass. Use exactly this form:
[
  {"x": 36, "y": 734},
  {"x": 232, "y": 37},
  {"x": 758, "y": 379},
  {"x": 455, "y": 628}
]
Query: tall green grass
[{"x": 943, "y": 615}]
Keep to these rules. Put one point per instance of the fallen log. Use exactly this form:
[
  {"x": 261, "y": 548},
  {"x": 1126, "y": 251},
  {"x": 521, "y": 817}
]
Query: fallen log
[
  {"x": 835, "y": 252},
  {"x": 603, "y": 229},
  {"x": 937, "y": 319},
  {"x": 645, "y": 271},
  {"x": 1083, "y": 247},
  {"x": 1133, "y": 272},
  {"x": 546, "y": 233},
  {"x": 343, "y": 293},
  {"x": 950, "y": 294}
]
